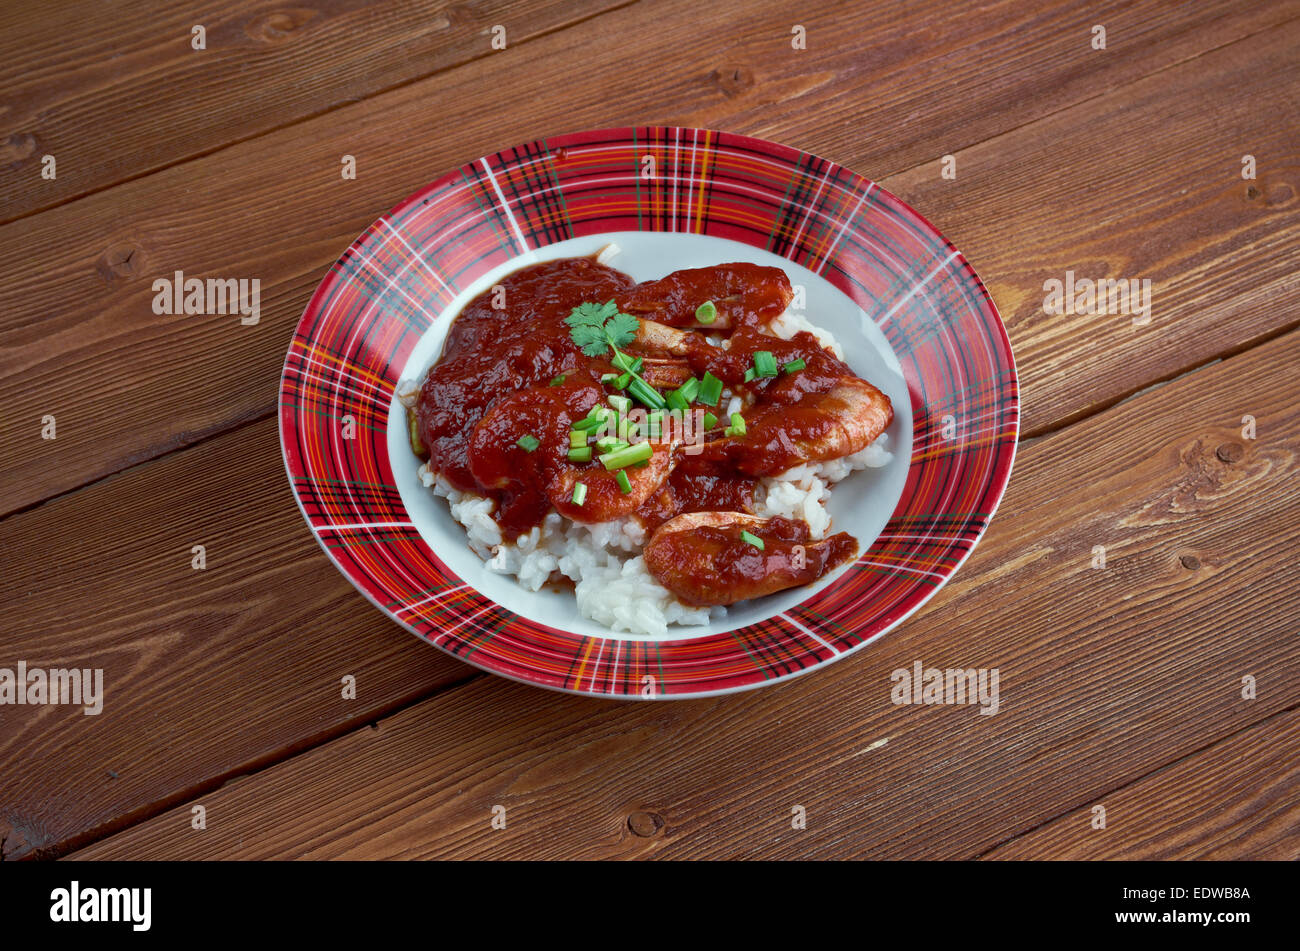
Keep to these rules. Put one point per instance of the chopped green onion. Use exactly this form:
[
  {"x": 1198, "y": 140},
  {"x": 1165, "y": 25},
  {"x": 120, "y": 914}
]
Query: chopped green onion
[
  {"x": 624, "y": 427},
  {"x": 710, "y": 420},
  {"x": 609, "y": 444},
  {"x": 624, "y": 483},
  {"x": 588, "y": 424},
  {"x": 623, "y": 380},
  {"x": 608, "y": 378},
  {"x": 557, "y": 381},
  {"x": 689, "y": 389},
  {"x": 764, "y": 363},
  {"x": 597, "y": 411},
  {"x": 737, "y": 427},
  {"x": 749, "y": 375},
  {"x": 706, "y": 313},
  {"x": 624, "y": 362},
  {"x": 579, "y": 493},
  {"x": 619, "y": 458},
  {"x": 752, "y": 539},
  {"x": 417, "y": 447},
  {"x": 676, "y": 400},
  {"x": 646, "y": 393},
  {"x": 580, "y": 455},
  {"x": 577, "y": 440},
  {"x": 795, "y": 365},
  {"x": 528, "y": 443},
  {"x": 621, "y": 403},
  {"x": 710, "y": 390}
]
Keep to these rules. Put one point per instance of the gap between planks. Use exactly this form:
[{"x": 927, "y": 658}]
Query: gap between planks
[
  {"x": 1164, "y": 767},
  {"x": 253, "y": 767}
]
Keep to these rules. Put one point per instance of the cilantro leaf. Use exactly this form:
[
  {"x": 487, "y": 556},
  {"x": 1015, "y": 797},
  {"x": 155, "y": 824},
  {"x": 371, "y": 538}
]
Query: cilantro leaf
[
  {"x": 621, "y": 329},
  {"x": 594, "y": 328}
]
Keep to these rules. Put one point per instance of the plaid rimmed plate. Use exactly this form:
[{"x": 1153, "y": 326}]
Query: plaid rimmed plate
[{"x": 907, "y": 308}]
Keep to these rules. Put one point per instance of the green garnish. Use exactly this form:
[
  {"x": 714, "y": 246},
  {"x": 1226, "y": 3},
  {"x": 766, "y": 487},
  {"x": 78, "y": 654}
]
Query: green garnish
[
  {"x": 557, "y": 381},
  {"x": 752, "y": 539},
  {"x": 764, "y": 363},
  {"x": 706, "y": 313},
  {"x": 621, "y": 403},
  {"x": 689, "y": 389},
  {"x": 579, "y": 493},
  {"x": 646, "y": 394},
  {"x": 749, "y": 375},
  {"x": 710, "y": 420},
  {"x": 626, "y": 456},
  {"x": 413, "y": 424},
  {"x": 609, "y": 444},
  {"x": 577, "y": 439},
  {"x": 710, "y": 390},
  {"x": 624, "y": 483},
  {"x": 528, "y": 443},
  {"x": 795, "y": 365},
  {"x": 588, "y": 424},
  {"x": 582, "y": 454},
  {"x": 624, "y": 362},
  {"x": 597, "y": 327},
  {"x": 737, "y": 427}
]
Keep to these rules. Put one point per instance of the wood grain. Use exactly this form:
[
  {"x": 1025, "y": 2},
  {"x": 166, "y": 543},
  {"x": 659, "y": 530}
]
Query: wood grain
[
  {"x": 1107, "y": 675},
  {"x": 275, "y": 208},
  {"x": 1164, "y": 201},
  {"x": 208, "y": 673},
  {"x": 114, "y": 91},
  {"x": 1236, "y": 799}
]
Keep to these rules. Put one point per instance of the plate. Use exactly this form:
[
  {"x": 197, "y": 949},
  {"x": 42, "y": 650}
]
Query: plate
[{"x": 909, "y": 311}]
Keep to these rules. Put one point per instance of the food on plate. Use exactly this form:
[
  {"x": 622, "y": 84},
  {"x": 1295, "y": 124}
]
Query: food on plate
[{"x": 665, "y": 447}]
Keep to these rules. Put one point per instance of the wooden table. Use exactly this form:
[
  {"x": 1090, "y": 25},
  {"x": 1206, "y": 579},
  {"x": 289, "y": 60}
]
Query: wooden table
[{"x": 1121, "y": 686}]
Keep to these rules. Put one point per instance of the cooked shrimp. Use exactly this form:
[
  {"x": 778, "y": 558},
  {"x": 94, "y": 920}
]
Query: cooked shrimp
[
  {"x": 703, "y": 558},
  {"x": 819, "y": 426},
  {"x": 605, "y": 500},
  {"x": 741, "y": 293}
]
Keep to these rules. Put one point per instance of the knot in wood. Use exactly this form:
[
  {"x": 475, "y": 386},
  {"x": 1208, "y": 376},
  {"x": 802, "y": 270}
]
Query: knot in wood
[
  {"x": 733, "y": 80},
  {"x": 645, "y": 824},
  {"x": 1230, "y": 452}
]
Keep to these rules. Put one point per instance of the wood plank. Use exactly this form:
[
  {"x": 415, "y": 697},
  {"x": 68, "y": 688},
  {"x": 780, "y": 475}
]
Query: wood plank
[
  {"x": 275, "y": 208},
  {"x": 1106, "y": 676},
  {"x": 207, "y": 673},
  {"x": 1163, "y": 201},
  {"x": 1236, "y": 800},
  {"x": 114, "y": 91}
]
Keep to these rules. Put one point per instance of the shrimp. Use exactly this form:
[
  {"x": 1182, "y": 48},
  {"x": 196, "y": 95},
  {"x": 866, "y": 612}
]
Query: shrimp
[
  {"x": 605, "y": 500},
  {"x": 703, "y": 558},
  {"x": 819, "y": 426},
  {"x": 741, "y": 293},
  {"x": 820, "y": 412}
]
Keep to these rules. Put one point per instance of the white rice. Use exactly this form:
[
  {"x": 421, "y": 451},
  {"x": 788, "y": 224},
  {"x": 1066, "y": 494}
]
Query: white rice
[{"x": 603, "y": 560}]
